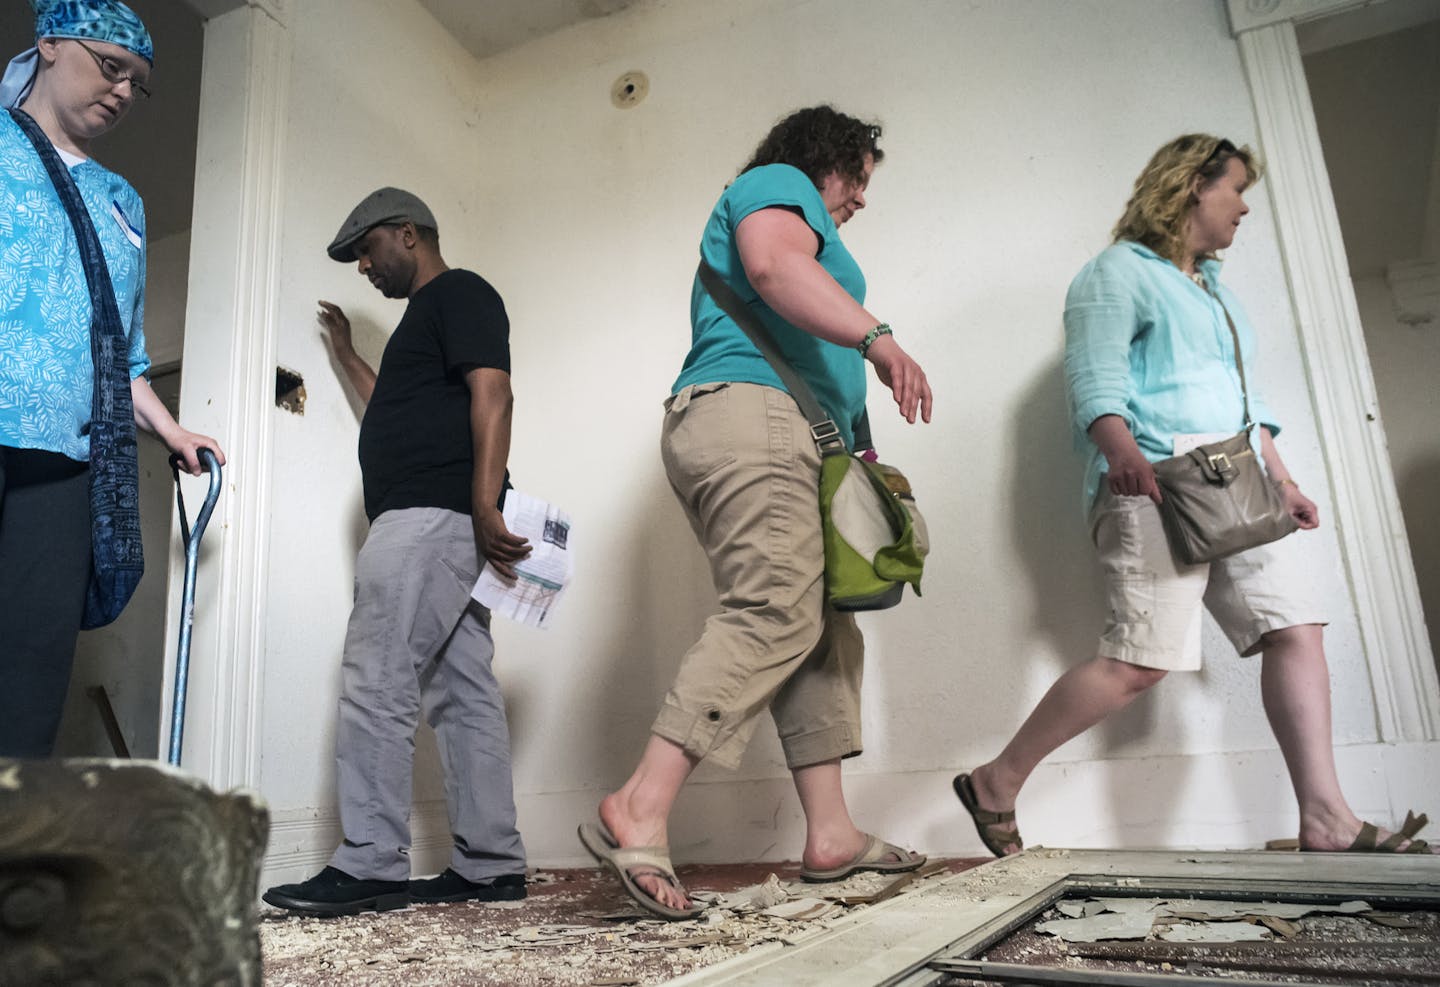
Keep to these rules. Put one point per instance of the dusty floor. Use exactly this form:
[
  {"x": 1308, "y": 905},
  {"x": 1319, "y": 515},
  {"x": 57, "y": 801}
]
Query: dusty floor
[
  {"x": 576, "y": 927},
  {"x": 1378, "y": 949}
]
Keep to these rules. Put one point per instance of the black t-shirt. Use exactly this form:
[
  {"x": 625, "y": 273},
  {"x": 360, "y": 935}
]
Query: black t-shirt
[{"x": 415, "y": 448}]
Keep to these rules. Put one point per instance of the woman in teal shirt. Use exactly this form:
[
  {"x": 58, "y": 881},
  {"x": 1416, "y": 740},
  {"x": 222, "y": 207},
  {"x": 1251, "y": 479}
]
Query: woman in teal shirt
[
  {"x": 1151, "y": 371},
  {"x": 741, "y": 460}
]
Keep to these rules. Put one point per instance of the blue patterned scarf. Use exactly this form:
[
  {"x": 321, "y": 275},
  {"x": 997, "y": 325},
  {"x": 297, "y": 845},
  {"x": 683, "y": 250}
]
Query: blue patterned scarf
[
  {"x": 85, "y": 20},
  {"x": 117, "y": 558}
]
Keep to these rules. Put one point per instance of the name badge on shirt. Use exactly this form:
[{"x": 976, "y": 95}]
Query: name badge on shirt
[
  {"x": 131, "y": 233},
  {"x": 1184, "y": 443}
]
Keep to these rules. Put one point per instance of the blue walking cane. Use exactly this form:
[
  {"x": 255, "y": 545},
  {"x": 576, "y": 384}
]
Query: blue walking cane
[{"x": 187, "y": 605}]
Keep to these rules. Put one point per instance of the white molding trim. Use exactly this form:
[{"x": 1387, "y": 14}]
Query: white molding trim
[
  {"x": 1370, "y": 525},
  {"x": 303, "y": 840},
  {"x": 232, "y": 315},
  {"x": 1246, "y": 15},
  {"x": 1210, "y": 801}
]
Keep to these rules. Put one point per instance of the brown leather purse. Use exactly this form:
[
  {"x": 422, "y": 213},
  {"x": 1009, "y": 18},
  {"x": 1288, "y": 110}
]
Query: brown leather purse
[{"x": 1216, "y": 499}]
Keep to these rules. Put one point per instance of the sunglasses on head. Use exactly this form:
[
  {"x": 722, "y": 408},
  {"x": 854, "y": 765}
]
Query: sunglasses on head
[{"x": 1224, "y": 148}]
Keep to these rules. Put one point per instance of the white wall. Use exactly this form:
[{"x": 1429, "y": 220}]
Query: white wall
[
  {"x": 411, "y": 122},
  {"x": 1014, "y": 131}
]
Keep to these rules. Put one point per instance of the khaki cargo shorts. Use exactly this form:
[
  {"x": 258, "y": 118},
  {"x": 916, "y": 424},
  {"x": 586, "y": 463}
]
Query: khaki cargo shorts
[{"x": 1154, "y": 601}]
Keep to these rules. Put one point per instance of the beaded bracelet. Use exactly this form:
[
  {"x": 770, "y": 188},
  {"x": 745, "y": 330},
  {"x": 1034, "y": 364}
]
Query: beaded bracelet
[{"x": 883, "y": 329}]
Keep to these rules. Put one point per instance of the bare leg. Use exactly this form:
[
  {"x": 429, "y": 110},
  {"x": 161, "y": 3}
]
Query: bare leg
[
  {"x": 831, "y": 837},
  {"x": 639, "y": 813},
  {"x": 1295, "y": 688},
  {"x": 1078, "y": 700}
]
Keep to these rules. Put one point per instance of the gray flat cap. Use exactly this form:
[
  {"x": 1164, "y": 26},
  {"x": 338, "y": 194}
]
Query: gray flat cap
[{"x": 384, "y": 205}]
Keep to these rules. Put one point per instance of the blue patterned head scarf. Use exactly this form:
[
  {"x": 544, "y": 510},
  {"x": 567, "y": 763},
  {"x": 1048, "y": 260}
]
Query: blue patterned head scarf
[{"x": 84, "y": 20}]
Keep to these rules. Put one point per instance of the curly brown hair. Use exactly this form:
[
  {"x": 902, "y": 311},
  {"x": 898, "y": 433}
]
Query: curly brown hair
[
  {"x": 1164, "y": 193},
  {"x": 820, "y": 141}
]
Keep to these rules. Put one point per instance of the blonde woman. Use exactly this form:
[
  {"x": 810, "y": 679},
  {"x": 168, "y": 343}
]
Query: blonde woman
[{"x": 1150, "y": 369}]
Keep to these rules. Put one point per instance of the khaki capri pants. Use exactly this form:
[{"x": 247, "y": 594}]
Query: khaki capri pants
[{"x": 742, "y": 462}]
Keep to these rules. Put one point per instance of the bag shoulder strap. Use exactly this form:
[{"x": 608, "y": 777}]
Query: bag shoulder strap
[
  {"x": 1235, "y": 338},
  {"x": 97, "y": 273},
  {"x": 822, "y": 426},
  {"x": 110, "y": 397}
]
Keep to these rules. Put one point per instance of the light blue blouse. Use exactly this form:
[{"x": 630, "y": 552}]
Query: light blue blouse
[
  {"x": 1144, "y": 342},
  {"x": 46, "y": 370}
]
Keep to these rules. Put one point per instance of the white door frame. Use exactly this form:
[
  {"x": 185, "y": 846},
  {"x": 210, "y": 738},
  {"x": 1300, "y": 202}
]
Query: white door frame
[
  {"x": 227, "y": 391},
  {"x": 1370, "y": 525}
]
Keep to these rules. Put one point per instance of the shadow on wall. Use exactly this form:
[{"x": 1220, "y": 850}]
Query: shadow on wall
[
  {"x": 658, "y": 581},
  {"x": 1049, "y": 534},
  {"x": 1052, "y": 540},
  {"x": 1419, "y": 488}
]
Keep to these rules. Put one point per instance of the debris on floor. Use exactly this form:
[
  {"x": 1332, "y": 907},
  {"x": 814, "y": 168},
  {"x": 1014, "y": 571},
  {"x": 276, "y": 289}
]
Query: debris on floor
[
  {"x": 576, "y": 927},
  {"x": 1347, "y": 943},
  {"x": 1183, "y": 920}
]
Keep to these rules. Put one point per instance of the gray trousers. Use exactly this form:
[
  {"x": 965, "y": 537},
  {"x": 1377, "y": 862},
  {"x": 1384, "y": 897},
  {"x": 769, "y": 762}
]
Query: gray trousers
[{"x": 417, "y": 641}]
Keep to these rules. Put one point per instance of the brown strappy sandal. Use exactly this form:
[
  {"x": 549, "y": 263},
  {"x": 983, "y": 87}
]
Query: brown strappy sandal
[
  {"x": 991, "y": 826},
  {"x": 1366, "y": 842}
]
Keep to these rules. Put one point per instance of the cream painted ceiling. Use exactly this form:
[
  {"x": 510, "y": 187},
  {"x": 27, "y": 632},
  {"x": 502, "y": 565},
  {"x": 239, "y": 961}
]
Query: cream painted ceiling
[{"x": 488, "y": 27}]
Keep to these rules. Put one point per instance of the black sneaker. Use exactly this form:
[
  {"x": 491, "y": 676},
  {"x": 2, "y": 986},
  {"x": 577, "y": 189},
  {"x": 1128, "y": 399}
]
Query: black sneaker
[
  {"x": 334, "y": 892},
  {"x": 450, "y": 886}
]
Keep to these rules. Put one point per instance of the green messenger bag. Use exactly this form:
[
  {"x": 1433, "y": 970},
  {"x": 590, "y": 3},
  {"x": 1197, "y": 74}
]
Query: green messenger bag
[{"x": 875, "y": 537}]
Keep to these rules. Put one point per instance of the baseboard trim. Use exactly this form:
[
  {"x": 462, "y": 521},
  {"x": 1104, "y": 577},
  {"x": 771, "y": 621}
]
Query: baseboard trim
[{"x": 1222, "y": 801}]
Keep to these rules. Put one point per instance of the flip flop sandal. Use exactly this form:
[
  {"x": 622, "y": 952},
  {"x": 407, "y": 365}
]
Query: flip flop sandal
[
  {"x": 628, "y": 863},
  {"x": 873, "y": 856},
  {"x": 1366, "y": 841},
  {"x": 990, "y": 825}
]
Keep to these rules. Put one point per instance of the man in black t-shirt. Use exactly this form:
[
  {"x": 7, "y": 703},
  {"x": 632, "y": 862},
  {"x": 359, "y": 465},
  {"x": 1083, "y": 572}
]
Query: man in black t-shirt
[{"x": 433, "y": 446}]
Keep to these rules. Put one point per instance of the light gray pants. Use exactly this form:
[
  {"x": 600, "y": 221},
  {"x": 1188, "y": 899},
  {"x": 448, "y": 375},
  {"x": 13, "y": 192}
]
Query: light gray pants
[{"x": 415, "y": 640}]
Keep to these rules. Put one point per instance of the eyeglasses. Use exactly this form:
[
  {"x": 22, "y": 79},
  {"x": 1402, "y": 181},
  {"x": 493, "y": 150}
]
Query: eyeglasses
[{"x": 113, "y": 72}]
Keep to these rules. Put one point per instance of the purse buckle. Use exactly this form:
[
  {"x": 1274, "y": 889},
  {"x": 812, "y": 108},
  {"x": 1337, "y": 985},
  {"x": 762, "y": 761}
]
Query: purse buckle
[{"x": 1220, "y": 463}]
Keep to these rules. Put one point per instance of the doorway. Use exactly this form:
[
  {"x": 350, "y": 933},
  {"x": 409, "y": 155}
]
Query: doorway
[{"x": 1374, "y": 80}]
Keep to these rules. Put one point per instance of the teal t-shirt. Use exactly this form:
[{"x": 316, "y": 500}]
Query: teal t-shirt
[{"x": 720, "y": 350}]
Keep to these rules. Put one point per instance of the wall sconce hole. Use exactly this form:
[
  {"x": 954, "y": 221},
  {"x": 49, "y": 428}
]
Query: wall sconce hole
[
  {"x": 630, "y": 89},
  {"x": 289, "y": 391}
]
